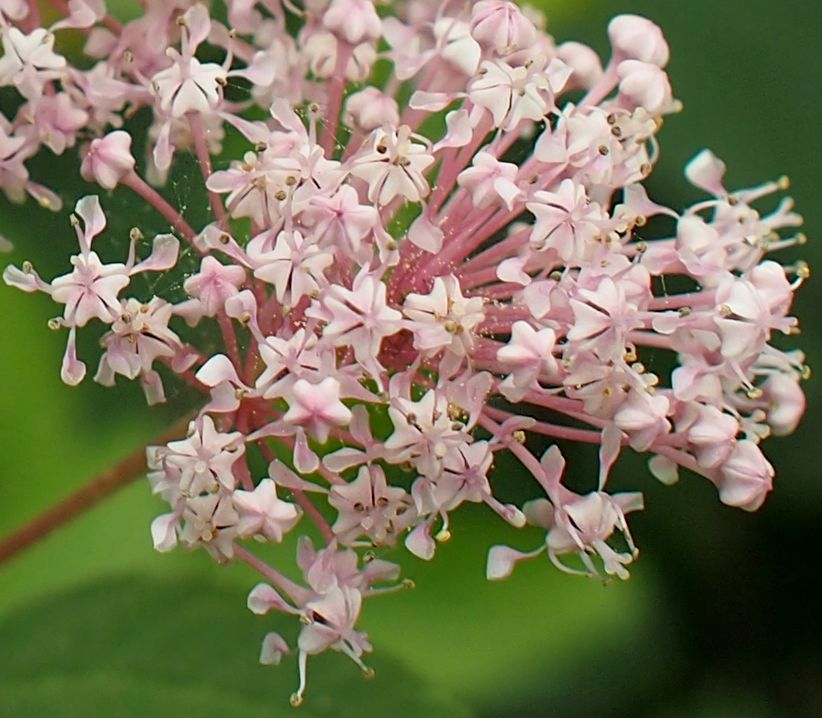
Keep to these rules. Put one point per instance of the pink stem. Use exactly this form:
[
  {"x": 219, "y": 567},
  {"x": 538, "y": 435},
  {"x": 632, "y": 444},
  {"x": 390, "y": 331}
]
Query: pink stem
[
  {"x": 195, "y": 123},
  {"x": 230, "y": 340},
  {"x": 559, "y": 432},
  {"x": 335, "y": 95},
  {"x": 297, "y": 593},
  {"x": 138, "y": 185}
]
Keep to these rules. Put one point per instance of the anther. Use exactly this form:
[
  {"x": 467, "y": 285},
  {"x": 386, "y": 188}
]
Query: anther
[
  {"x": 296, "y": 700},
  {"x": 224, "y": 238},
  {"x": 27, "y": 267},
  {"x": 754, "y": 393},
  {"x": 518, "y": 436},
  {"x": 135, "y": 235},
  {"x": 280, "y": 195},
  {"x": 55, "y": 323},
  {"x": 784, "y": 182},
  {"x": 443, "y": 535}
]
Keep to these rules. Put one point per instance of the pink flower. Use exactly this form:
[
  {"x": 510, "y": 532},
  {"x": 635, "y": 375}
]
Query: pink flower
[
  {"x": 368, "y": 506},
  {"x": 263, "y": 514},
  {"x": 401, "y": 286},
  {"x": 317, "y": 407}
]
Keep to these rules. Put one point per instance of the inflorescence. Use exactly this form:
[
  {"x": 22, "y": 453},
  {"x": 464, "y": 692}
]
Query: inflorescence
[{"x": 431, "y": 251}]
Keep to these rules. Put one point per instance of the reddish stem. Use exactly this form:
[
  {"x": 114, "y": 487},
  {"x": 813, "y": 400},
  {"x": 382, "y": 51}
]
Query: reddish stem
[
  {"x": 137, "y": 184},
  {"x": 100, "y": 487}
]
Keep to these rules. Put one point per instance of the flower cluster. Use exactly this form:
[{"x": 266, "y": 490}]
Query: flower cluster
[{"x": 433, "y": 249}]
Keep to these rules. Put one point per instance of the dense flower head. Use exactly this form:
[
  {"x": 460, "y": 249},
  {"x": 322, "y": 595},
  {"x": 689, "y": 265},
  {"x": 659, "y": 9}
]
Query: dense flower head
[{"x": 410, "y": 271}]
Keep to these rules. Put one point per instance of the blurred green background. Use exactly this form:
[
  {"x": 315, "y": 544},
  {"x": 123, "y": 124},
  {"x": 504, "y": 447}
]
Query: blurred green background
[{"x": 720, "y": 618}]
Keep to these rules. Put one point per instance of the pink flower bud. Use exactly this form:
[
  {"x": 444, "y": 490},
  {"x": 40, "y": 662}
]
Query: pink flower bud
[
  {"x": 370, "y": 109},
  {"x": 637, "y": 38},
  {"x": 745, "y": 478},
  {"x": 643, "y": 84},
  {"x": 108, "y": 160},
  {"x": 355, "y": 21},
  {"x": 584, "y": 62},
  {"x": 501, "y": 26},
  {"x": 786, "y": 403}
]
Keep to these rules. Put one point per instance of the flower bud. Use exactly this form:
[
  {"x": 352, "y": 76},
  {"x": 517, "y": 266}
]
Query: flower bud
[
  {"x": 501, "y": 26},
  {"x": 637, "y": 38},
  {"x": 355, "y": 21},
  {"x": 370, "y": 109},
  {"x": 786, "y": 403},
  {"x": 108, "y": 160},
  {"x": 643, "y": 84},
  {"x": 745, "y": 478},
  {"x": 583, "y": 61}
]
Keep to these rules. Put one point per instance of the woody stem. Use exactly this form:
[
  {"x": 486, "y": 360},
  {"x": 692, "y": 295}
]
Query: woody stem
[{"x": 100, "y": 487}]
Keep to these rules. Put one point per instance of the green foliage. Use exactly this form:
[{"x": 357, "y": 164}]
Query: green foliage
[{"x": 139, "y": 647}]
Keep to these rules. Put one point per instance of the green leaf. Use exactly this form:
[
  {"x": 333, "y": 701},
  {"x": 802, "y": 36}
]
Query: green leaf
[{"x": 141, "y": 647}]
